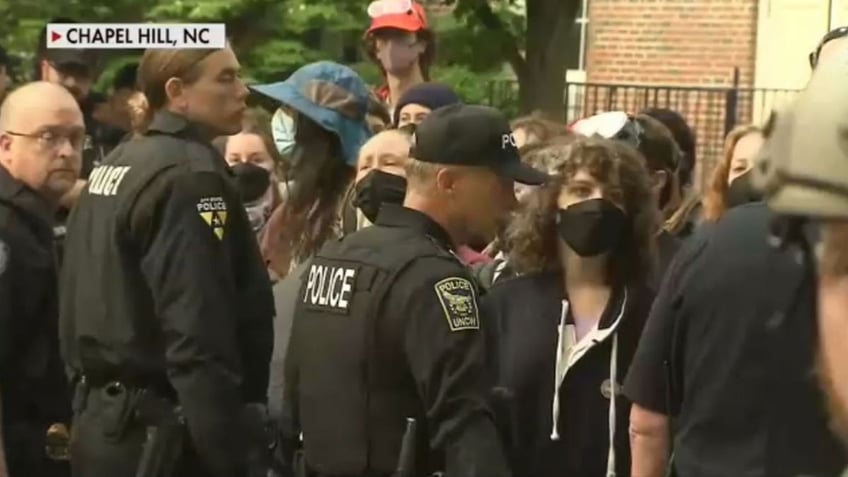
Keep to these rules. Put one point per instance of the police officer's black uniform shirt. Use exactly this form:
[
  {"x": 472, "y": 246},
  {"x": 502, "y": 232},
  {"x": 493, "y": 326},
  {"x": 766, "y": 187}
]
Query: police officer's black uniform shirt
[
  {"x": 733, "y": 331},
  {"x": 32, "y": 382},
  {"x": 427, "y": 357},
  {"x": 162, "y": 272}
]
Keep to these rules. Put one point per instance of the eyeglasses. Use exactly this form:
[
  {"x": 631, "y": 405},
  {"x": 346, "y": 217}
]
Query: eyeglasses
[
  {"x": 51, "y": 139},
  {"x": 616, "y": 125},
  {"x": 832, "y": 35}
]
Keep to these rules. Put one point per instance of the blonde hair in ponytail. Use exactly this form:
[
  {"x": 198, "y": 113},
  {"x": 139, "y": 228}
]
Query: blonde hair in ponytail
[{"x": 140, "y": 113}]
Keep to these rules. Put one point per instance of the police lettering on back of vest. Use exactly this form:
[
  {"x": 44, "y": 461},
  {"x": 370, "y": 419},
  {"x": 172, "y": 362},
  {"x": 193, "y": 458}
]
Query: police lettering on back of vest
[
  {"x": 105, "y": 180},
  {"x": 329, "y": 287}
]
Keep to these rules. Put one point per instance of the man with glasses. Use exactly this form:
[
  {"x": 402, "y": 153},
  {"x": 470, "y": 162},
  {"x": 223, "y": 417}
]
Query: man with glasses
[
  {"x": 75, "y": 70},
  {"x": 41, "y": 138}
]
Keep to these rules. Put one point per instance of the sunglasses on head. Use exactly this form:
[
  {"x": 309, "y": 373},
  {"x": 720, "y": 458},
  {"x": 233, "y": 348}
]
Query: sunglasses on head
[
  {"x": 832, "y": 35},
  {"x": 381, "y": 8},
  {"x": 616, "y": 125}
]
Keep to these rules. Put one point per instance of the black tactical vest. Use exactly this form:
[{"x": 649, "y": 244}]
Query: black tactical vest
[{"x": 354, "y": 389}]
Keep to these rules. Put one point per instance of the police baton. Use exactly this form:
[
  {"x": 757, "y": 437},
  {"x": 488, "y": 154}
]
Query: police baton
[{"x": 406, "y": 459}]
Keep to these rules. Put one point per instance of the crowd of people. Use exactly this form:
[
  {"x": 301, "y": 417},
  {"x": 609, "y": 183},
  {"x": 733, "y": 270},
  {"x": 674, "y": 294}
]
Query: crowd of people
[{"x": 391, "y": 282}]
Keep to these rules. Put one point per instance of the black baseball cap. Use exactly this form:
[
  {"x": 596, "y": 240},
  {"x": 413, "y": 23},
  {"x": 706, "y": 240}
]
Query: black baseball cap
[
  {"x": 65, "y": 58},
  {"x": 68, "y": 57},
  {"x": 472, "y": 135}
]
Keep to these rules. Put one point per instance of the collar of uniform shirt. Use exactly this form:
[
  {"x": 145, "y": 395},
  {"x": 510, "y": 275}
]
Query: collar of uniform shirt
[
  {"x": 15, "y": 192},
  {"x": 393, "y": 215},
  {"x": 171, "y": 123}
]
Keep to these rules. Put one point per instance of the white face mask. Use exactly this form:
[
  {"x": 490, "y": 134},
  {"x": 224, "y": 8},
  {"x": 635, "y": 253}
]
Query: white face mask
[{"x": 283, "y": 129}]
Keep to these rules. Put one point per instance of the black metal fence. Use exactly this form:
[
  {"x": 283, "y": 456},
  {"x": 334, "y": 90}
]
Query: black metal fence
[{"x": 711, "y": 111}]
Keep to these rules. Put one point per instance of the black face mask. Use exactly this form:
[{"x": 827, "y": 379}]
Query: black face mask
[
  {"x": 592, "y": 227},
  {"x": 741, "y": 191},
  {"x": 377, "y": 188},
  {"x": 253, "y": 181}
]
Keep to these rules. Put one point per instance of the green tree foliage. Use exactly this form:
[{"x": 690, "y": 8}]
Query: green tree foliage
[{"x": 476, "y": 45}]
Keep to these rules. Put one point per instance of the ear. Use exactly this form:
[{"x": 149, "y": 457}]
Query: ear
[
  {"x": 5, "y": 149},
  {"x": 44, "y": 68},
  {"x": 658, "y": 180},
  {"x": 446, "y": 180},
  {"x": 5, "y": 142},
  {"x": 174, "y": 90}
]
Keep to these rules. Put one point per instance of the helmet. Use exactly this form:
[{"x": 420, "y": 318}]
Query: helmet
[{"x": 803, "y": 166}]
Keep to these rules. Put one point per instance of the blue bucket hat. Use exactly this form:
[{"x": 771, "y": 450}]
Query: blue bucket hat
[{"x": 333, "y": 96}]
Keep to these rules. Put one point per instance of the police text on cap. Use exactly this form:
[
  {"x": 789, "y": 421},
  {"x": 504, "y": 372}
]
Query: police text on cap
[{"x": 508, "y": 139}]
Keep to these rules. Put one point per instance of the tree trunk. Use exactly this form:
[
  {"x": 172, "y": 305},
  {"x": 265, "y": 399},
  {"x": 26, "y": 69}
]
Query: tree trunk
[{"x": 541, "y": 83}]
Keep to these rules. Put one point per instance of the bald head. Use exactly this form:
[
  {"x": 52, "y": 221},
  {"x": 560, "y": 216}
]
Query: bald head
[
  {"x": 42, "y": 134},
  {"x": 33, "y": 99}
]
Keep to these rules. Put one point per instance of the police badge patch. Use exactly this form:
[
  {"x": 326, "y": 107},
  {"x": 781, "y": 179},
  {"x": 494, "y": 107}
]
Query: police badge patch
[
  {"x": 459, "y": 302},
  {"x": 213, "y": 211}
]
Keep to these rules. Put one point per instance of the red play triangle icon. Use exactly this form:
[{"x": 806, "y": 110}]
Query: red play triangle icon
[{"x": 55, "y": 36}]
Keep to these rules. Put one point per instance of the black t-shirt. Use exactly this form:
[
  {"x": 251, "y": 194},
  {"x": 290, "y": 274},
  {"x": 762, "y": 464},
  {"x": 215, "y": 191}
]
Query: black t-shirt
[{"x": 732, "y": 329}]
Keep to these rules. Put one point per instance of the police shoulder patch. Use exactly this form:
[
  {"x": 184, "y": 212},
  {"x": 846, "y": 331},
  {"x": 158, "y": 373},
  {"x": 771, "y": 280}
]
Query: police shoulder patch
[
  {"x": 213, "y": 211},
  {"x": 459, "y": 302}
]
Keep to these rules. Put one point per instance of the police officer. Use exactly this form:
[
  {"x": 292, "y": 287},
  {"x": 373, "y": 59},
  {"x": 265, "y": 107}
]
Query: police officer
[
  {"x": 803, "y": 173},
  {"x": 75, "y": 69},
  {"x": 41, "y": 137},
  {"x": 388, "y": 316},
  {"x": 166, "y": 312}
]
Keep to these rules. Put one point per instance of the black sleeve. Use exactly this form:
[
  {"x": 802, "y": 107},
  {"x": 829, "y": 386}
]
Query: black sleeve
[
  {"x": 286, "y": 326},
  {"x": 648, "y": 379},
  {"x": 6, "y": 318},
  {"x": 446, "y": 352},
  {"x": 187, "y": 266},
  {"x": 501, "y": 396},
  {"x": 255, "y": 309}
]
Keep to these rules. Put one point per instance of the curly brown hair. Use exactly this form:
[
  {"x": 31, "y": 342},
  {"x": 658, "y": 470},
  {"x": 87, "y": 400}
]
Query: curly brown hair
[
  {"x": 715, "y": 197},
  {"x": 532, "y": 238}
]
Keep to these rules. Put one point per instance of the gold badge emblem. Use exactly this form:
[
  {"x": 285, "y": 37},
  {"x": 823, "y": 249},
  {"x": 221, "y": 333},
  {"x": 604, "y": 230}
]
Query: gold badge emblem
[{"x": 213, "y": 211}]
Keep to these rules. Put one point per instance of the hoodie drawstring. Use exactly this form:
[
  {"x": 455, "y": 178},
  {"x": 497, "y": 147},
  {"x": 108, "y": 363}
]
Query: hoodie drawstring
[
  {"x": 559, "y": 370},
  {"x": 613, "y": 377}
]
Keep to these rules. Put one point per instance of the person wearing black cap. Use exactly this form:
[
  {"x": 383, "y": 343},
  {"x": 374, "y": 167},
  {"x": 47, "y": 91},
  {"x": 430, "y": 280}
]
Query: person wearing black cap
[
  {"x": 118, "y": 115},
  {"x": 75, "y": 70},
  {"x": 420, "y": 100},
  {"x": 400, "y": 313}
]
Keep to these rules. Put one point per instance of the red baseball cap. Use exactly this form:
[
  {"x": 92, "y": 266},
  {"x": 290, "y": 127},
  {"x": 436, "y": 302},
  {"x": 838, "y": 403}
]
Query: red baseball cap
[{"x": 405, "y": 15}]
